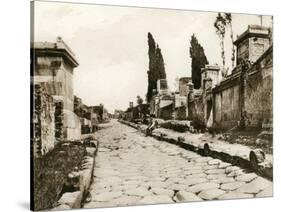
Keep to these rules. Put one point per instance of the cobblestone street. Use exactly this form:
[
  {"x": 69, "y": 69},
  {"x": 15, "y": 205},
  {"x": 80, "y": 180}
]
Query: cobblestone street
[{"x": 133, "y": 170}]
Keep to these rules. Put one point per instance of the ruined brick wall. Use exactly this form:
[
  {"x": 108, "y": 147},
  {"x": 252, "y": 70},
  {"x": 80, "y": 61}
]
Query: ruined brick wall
[
  {"x": 259, "y": 93},
  {"x": 43, "y": 122}
]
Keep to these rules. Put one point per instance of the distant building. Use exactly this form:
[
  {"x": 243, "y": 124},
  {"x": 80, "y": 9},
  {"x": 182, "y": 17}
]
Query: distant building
[
  {"x": 180, "y": 106},
  {"x": 183, "y": 84},
  {"x": 162, "y": 87},
  {"x": 118, "y": 114}
]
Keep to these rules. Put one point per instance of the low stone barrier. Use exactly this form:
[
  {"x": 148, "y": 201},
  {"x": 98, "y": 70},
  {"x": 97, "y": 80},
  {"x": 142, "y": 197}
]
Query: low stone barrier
[
  {"x": 238, "y": 155},
  {"x": 79, "y": 180}
]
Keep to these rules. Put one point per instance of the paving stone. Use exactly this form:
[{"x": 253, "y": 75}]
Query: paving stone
[
  {"x": 194, "y": 167},
  {"x": 267, "y": 192},
  {"x": 159, "y": 184},
  {"x": 202, "y": 186},
  {"x": 106, "y": 196},
  {"x": 126, "y": 200},
  {"x": 231, "y": 169},
  {"x": 174, "y": 179},
  {"x": 208, "y": 167},
  {"x": 236, "y": 173},
  {"x": 177, "y": 187},
  {"x": 161, "y": 191},
  {"x": 132, "y": 182},
  {"x": 214, "y": 162},
  {"x": 223, "y": 180},
  {"x": 193, "y": 172},
  {"x": 202, "y": 159},
  {"x": 61, "y": 207},
  {"x": 73, "y": 199},
  {"x": 224, "y": 165},
  {"x": 246, "y": 177},
  {"x": 193, "y": 181},
  {"x": 145, "y": 171},
  {"x": 235, "y": 195},
  {"x": 211, "y": 194},
  {"x": 98, "y": 205},
  {"x": 138, "y": 192},
  {"x": 231, "y": 186},
  {"x": 215, "y": 171},
  {"x": 128, "y": 187},
  {"x": 255, "y": 186},
  {"x": 215, "y": 176},
  {"x": 183, "y": 196},
  {"x": 199, "y": 175},
  {"x": 156, "y": 199}
]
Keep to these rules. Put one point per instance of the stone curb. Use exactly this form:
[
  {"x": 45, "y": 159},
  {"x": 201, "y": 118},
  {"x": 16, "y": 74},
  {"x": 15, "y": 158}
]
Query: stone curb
[
  {"x": 243, "y": 159},
  {"x": 72, "y": 200}
]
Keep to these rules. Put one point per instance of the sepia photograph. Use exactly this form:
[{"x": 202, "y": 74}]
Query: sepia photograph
[{"x": 137, "y": 106}]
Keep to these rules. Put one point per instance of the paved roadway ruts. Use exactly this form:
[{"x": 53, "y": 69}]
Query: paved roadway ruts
[{"x": 134, "y": 170}]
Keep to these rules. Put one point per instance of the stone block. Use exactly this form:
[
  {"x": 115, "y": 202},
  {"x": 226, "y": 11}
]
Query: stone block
[
  {"x": 211, "y": 194},
  {"x": 183, "y": 196},
  {"x": 73, "y": 199}
]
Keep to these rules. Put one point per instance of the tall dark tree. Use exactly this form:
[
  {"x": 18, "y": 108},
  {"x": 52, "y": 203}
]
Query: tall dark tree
[
  {"x": 198, "y": 61},
  {"x": 156, "y": 66}
]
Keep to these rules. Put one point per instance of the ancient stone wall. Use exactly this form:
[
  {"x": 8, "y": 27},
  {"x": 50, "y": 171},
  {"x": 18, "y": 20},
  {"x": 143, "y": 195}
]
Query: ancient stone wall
[
  {"x": 57, "y": 77},
  {"x": 257, "y": 100},
  {"x": 196, "y": 109},
  {"x": 227, "y": 107},
  {"x": 43, "y": 122},
  {"x": 72, "y": 125},
  {"x": 259, "y": 88},
  {"x": 59, "y": 120}
]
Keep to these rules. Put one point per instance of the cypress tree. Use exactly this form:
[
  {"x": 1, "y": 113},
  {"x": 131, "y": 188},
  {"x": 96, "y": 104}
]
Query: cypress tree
[
  {"x": 156, "y": 66},
  {"x": 198, "y": 61}
]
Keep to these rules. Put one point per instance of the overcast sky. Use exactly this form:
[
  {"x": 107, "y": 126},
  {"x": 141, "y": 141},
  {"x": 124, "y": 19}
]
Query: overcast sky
[{"x": 110, "y": 43}]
